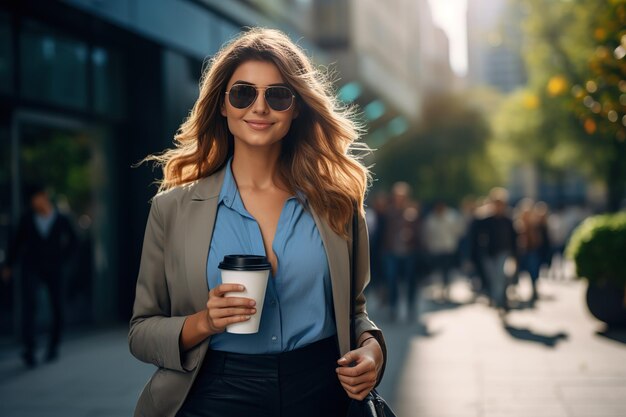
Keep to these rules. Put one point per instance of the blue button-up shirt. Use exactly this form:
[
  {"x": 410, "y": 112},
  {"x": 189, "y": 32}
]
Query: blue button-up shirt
[{"x": 298, "y": 307}]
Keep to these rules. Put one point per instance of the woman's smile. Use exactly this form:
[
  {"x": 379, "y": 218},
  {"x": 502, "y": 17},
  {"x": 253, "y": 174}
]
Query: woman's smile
[{"x": 259, "y": 124}]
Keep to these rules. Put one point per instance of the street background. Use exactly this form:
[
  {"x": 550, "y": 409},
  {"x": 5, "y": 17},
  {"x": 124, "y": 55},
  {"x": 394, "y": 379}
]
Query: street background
[{"x": 498, "y": 137}]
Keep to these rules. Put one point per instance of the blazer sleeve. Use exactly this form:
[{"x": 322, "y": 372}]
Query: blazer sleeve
[
  {"x": 154, "y": 334},
  {"x": 362, "y": 321}
]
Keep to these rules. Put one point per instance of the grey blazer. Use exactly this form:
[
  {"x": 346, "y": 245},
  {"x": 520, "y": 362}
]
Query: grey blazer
[{"x": 172, "y": 285}]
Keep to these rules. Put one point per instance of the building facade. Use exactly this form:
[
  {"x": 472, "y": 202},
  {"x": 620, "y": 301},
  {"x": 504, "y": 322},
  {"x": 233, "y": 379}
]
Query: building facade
[
  {"x": 397, "y": 57},
  {"x": 495, "y": 44},
  {"x": 88, "y": 89}
]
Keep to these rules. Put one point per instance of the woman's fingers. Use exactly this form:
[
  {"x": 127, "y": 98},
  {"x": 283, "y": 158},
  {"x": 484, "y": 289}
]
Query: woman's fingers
[
  {"x": 225, "y": 302},
  {"x": 357, "y": 392},
  {"x": 360, "y": 379},
  {"x": 223, "y": 322},
  {"x": 222, "y": 289},
  {"x": 223, "y": 310},
  {"x": 368, "y": 378},
  {"x": 219, "y": 313},
  {"x": 357, "y": 381},
  {"x": 218, "y": 300},
  {"x": 363, "y": 365},
  {"x": 219, "y": 320}
]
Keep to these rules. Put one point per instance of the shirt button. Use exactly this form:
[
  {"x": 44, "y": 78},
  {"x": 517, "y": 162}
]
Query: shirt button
[
  {"x": 274, "y": 338},
  {"x": 273, "y": 303}
]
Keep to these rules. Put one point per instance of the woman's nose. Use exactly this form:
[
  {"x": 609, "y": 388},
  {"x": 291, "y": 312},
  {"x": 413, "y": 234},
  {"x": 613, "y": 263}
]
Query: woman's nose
[{"x": 260, "y": 105}]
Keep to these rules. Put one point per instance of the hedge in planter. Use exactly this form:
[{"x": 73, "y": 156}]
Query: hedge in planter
[{"x": 598, "y": 248}]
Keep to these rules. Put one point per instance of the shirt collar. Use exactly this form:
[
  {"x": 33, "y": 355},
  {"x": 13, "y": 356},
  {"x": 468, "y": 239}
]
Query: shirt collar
[
  {"x": 44, "y": 223},
  {"x": 229, "y": 189}
]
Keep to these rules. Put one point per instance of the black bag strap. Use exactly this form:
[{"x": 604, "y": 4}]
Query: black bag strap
[{"x": 355, "y": 243}]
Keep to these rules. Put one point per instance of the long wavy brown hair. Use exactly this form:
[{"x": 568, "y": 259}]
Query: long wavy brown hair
[{"x": 320, "y": 156}]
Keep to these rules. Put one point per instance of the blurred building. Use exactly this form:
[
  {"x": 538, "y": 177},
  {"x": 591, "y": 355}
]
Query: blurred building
[
  {"x": 393, "y": 57},
  {"x": 494, "y": 37},
  {"x": 435, "y": 73}
]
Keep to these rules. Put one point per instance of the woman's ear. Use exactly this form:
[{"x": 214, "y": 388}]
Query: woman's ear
[{"x": 223, "y": 109}]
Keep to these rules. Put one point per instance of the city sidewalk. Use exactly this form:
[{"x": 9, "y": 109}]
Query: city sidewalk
[
  {"x": 466, "y": 361},
  {"x": 95, "y": 376}
]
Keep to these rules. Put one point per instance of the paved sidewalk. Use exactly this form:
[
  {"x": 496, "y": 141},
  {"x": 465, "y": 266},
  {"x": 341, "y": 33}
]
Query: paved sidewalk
[
  {"x": 555, "y": 360},
  {"x": 95, "y": 376}
]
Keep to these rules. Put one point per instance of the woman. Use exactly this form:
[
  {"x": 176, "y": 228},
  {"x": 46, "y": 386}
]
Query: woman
[{"x": 262, "y": 166}]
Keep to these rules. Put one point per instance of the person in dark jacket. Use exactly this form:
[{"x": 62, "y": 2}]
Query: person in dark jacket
[
  {"x": 42, "y": 245},
  {"x": 494, "y": 244}
]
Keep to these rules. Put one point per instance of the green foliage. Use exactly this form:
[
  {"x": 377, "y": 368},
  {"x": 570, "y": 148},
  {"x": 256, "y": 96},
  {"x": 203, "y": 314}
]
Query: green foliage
[
  {"x": 445, "y": 159},
  {"x": 577, "y": 69},
  {"x": 62, "y": 162},
  {"x": 598, "y": 247},
  {"x": 516, "y": 129}
]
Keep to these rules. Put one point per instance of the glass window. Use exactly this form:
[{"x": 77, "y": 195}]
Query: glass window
[
  {"x": 6, "y": 55},
  {"x": 108, "y": 82},
  {"x": 54, "y": 67}
]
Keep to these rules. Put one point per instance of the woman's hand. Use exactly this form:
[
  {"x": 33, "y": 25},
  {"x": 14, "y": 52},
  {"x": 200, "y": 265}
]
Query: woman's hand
[
  {"x": 361, "y": 378},
  {"x": 222, "y": 311}
]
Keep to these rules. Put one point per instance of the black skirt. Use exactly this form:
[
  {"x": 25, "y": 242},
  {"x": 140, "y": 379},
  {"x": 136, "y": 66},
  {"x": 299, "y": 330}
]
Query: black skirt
[{"x": 299, "y": 383}]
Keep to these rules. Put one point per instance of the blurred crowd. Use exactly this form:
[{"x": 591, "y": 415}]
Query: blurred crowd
[{"x": 487, "y": 240}]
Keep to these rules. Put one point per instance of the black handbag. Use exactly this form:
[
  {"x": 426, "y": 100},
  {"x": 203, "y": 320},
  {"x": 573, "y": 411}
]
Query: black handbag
[{"x": 373, "y": 405}]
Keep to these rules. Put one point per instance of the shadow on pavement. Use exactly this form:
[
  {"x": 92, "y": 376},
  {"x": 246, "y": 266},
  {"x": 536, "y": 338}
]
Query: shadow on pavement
[
  {"x": 529, "y": 335},
  {"x": 521, "y": 304},
  {"x": 12, "y": 370},
  {"x": 547, "y": 297},
  {"x": 434, "y": 305},
  {"x": 423, "y": 331},
  {"x": 617, "y": 334}
]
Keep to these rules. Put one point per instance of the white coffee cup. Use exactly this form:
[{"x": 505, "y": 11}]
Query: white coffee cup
[{"x": 252, "y": 272}]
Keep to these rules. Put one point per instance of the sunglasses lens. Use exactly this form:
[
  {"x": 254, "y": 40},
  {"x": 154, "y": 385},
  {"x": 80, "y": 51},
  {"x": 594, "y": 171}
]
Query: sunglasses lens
[
  {"x": 241, "y": 96},
  {"x": 279, "y": 98}
]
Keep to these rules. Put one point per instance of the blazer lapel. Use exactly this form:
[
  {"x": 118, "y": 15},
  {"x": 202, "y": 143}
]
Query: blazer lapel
[
  {"x": 339, "y": 264},
  {"x": 199, "y": 223}
]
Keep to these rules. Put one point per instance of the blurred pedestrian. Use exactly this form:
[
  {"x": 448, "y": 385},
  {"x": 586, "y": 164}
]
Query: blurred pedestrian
[
  {"x": 497, "y": 238},
  {"x": 42, "y": 246},
  {"x": 557, "y": 235},
  {"x": 541, "y": 213},
  {"x": 442, "y": 231},
  {"x": 478, "y": 245},
  {"x": 466, "y": 216},
  {"x": 529, "y": 242},
  {"x": 402, "y": 247},
  {"x": 261, "y": 167},
  {"x": 375, "y": 216}
]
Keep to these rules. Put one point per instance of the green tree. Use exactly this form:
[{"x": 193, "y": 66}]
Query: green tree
[
  {"x": 445, "y": 158},
  {"x": 576, "y": 64}
]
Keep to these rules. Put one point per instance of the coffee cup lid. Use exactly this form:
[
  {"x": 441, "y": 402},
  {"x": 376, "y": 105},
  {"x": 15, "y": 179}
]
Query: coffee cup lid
[{"x": 244, "y": 263}]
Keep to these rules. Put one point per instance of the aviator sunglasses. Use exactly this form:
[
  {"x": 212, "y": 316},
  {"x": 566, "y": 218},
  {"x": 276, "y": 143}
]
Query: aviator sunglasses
[{"x": 278, "y": 97}]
